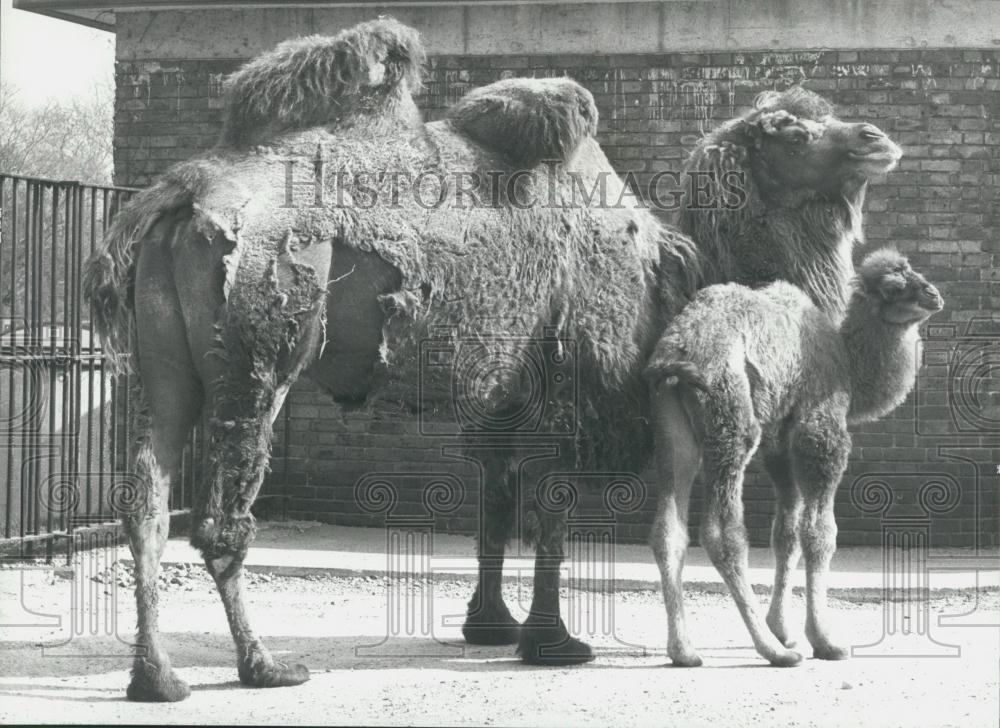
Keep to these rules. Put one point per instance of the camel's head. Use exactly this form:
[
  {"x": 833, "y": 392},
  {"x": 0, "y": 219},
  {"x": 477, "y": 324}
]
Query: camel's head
[
  {"x": 900, "y": 294},
  {"x": 794, "y": 141}
]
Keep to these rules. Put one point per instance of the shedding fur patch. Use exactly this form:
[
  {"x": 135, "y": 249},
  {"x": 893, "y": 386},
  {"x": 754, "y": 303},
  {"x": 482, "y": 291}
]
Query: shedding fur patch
[
  {"x": 309, "y": 81},
  {"x": 528, "y": 119}
]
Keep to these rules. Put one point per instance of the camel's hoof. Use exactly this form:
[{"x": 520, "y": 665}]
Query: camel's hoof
[
  {"x": 496, "y": 627},
  {"x": 829, "y": 652},
  {"x": 551, "y": 646},
  {"x": 274, "y": 675},
  {"x": 165, "y": 687},
  {"x": 685, "y": 658},
  {"x": 791, "y": 658}
]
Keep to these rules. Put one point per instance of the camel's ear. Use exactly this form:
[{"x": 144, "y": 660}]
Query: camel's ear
[
  {"x": 766, "y": 99},
  {"x": 750, "y": 132}
]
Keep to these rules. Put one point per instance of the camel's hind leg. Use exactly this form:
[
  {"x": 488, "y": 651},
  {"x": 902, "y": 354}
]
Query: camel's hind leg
[
  {"x": 678, "y": 454},
  {"x": 732, "y": 434},
  {"x": 168, "y": 404},
  {"x": 269, "y": 330},
  {"x": 224, "y": 527},
  {"x": 785, "y": 542}
]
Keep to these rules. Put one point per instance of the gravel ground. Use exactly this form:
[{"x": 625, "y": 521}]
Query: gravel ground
[{"x": 337, "y": 626}]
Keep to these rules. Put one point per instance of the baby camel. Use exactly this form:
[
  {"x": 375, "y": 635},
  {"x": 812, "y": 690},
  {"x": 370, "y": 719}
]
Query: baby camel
[{"x": 766, "y": 367}]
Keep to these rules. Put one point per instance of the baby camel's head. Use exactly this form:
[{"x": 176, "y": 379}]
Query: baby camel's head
[{"x": 899, "y": 294}]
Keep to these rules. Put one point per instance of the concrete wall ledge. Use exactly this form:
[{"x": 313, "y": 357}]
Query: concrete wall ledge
[{"x": 241, "y": 30}]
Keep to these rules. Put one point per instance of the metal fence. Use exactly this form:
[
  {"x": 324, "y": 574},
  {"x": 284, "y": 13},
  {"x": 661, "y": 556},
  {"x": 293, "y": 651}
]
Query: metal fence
[{"x": 64, "y": 418}]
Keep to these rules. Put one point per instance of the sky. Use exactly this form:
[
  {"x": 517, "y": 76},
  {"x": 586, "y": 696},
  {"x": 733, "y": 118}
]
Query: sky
[{"x": 48, "y": 58}]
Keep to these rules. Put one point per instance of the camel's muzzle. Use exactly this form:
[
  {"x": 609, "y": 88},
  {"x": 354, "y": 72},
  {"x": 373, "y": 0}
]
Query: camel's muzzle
[
  {"x": 873, "y": 148},
  {"x": 930, "y": 298}
]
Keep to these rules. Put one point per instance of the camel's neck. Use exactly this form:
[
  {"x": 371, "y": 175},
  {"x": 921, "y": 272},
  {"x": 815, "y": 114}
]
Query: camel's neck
[
  {"x": 883, "y": 360},
  {"x": 808, "y": 245}
]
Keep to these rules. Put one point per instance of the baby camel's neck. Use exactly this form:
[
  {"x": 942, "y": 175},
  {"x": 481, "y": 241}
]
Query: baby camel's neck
[{"x": 883, "y": 360}]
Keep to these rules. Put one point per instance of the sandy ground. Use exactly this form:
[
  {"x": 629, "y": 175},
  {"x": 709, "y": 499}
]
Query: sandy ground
[{"x": 338, "y": 627}]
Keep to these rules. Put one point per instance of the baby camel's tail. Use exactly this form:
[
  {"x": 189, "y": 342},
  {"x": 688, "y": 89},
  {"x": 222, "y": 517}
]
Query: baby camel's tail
[{"x": 674, "y": 373}]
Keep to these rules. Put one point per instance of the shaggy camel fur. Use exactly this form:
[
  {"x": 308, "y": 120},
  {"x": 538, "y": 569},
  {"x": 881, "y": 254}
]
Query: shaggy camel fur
[
  {"x": 767, "y": 367},
  {"x": 803, "y": 174},
  {"x": 300, "y": 245}
]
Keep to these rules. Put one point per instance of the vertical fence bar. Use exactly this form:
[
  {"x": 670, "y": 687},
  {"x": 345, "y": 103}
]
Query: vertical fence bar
[
  {"x": 112, "y": 430},
  {"x": 43, "y": 224},
  {"x": 76, "y": 359},
  {"x": 26, "y": 464},
  {"x": 8, "y": 533},
  {"x": 50, "y": 368},
  {"x": 7, "y": 222},
  {"x": 91, "y": 366}
]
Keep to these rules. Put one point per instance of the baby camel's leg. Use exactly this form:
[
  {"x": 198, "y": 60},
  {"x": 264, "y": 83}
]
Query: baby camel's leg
[
  {"x": 731, "y": 437},
  {"x": 678, "y": 454},
  {"x": 785, "y": 541},
  {"x": 820, "y": 448}
]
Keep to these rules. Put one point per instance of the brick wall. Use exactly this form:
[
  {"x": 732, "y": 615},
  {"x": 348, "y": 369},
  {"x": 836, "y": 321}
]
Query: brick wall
[{"x": 939, "y": 207}]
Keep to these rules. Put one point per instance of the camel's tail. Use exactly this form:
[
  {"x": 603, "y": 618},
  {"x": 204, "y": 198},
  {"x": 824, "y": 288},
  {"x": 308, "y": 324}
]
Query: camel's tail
[
  {"x": 109, "y": 274},
  {"x": 674, "y": 373}
]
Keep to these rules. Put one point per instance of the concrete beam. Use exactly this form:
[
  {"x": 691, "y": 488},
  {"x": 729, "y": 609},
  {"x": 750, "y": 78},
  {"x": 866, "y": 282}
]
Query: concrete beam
[{"x": 579, "y": 28}]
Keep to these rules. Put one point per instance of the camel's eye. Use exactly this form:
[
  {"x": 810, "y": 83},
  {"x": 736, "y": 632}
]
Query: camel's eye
[{"x": 892, "y": 285}]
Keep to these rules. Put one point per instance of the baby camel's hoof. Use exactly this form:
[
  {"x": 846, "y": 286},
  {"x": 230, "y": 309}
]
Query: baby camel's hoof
[
  {"x": 777, "y": 628},
  {"x": 790, "y": 658},
  {"x": 158, "y": 688},
  {"x": 829, "y": 652},
  {"x": 552, "y": 646},
  {"x": 498, "y": 628},
  {"x": 275, "y": 675}
]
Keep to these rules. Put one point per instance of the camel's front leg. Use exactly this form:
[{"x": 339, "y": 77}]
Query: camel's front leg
[
  {"x": 544, "y": 638},
  {"x": 489, "y": 621},
  {"x": 821, "y": 448},
  {"x": 785, "y": 543}
]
